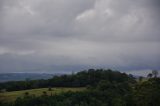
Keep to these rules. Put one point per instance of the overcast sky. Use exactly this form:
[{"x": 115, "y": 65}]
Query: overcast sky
[{"x": 72, "y": 35}]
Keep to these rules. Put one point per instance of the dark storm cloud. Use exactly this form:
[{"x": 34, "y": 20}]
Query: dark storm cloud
[{"x": 59, "y": 35}]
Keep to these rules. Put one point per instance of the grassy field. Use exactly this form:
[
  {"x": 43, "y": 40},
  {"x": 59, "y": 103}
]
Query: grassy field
[{"x": 11, "y": 96}]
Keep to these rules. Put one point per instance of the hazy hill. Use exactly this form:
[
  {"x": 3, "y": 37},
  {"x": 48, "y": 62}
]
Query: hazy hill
[{"x": 24, "y": 76}]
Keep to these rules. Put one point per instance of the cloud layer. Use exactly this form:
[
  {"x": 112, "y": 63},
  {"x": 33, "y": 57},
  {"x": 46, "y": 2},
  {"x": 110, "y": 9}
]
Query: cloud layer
[{"x": 68, "y": 35}]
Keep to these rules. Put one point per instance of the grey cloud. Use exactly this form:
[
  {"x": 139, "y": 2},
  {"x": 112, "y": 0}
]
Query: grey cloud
[{"x": 51, "y": 35}]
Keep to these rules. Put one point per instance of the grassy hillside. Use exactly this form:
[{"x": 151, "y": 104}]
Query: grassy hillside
[{"x": 11, "y": 96}]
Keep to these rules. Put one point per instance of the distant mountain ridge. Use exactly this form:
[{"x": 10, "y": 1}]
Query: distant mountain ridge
[{"x": 4, "y": 77}]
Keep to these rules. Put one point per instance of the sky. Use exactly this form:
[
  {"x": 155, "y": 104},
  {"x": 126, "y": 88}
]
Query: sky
[{"x": 58, "y": 36}]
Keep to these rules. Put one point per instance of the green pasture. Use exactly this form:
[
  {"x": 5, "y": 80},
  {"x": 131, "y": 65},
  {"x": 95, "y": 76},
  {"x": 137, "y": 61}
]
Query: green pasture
[{"x": 11, "y": 96}]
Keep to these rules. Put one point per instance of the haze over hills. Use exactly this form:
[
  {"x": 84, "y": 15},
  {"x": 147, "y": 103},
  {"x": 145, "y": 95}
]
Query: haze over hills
[
  {"x": 4, "y": 77},
  {"x": 21, "y": 76}
]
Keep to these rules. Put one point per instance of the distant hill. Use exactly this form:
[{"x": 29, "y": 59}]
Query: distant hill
[{"x": 4, "y": 77}]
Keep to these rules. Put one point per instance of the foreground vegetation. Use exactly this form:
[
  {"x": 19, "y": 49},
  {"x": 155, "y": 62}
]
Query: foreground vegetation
[{"x": 104, "y": 88}]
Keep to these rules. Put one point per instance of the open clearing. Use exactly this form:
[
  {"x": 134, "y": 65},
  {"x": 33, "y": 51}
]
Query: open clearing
[{"x": 11, "y": 96}]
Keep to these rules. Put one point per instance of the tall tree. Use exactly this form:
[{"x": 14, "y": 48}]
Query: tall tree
[
  {"x": 140, "y": 79},
  {"x": 149, "y": 75},
  {"x": 155, "y": 73}
]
